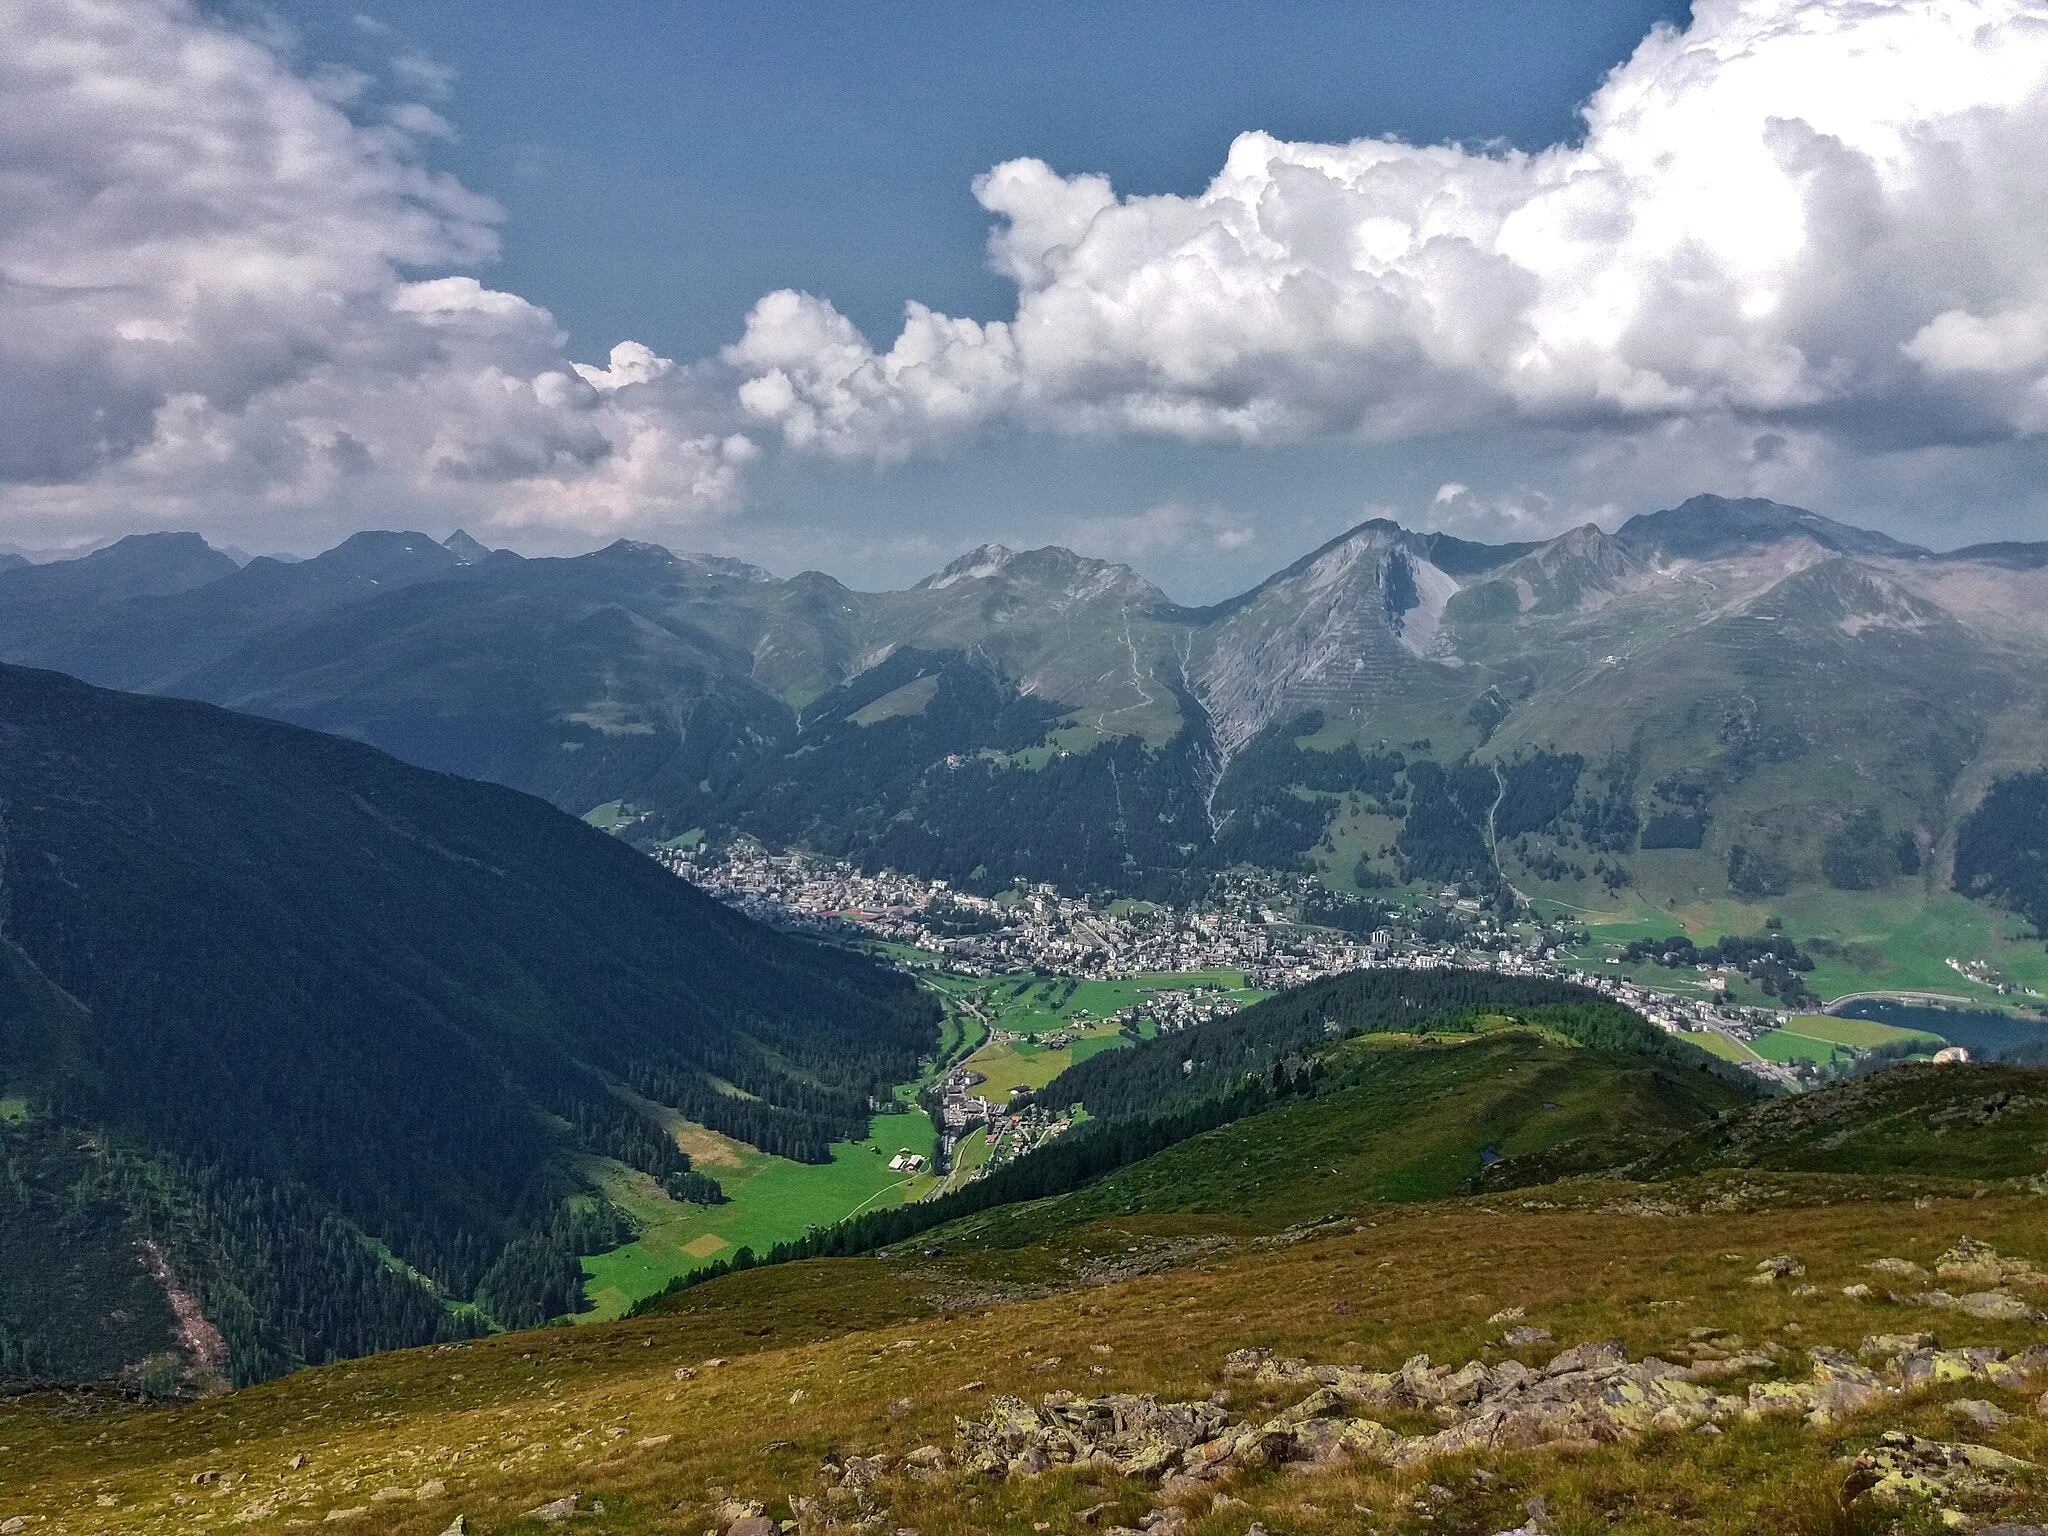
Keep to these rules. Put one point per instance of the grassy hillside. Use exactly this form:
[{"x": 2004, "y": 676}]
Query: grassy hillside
[
  {"x": 352, "y": 1025},
  {"x": 1975, "y": 1122},
  {"x": 760, "y": 1390},
  {"x": 1213, "y": 1058},
  {"x": 1395, "y": 1118}
]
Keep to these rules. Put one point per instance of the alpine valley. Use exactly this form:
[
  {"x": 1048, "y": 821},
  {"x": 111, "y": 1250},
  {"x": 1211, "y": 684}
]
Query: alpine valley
[
  {"x": 341, "y": 1072},
  {"x": 1728, "y": 708}
]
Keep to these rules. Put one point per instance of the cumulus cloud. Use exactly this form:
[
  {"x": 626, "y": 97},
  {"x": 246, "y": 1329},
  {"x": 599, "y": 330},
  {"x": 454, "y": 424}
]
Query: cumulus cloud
[
  {"x": 1169, "y": 528},
  {"x": 1802, "y": 214},
  {"x": 207, "y": 303}
]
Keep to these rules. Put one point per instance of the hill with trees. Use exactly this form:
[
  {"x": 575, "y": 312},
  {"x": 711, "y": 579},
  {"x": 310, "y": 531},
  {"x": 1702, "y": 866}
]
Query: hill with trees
[{"x": 339, "y": 1032}]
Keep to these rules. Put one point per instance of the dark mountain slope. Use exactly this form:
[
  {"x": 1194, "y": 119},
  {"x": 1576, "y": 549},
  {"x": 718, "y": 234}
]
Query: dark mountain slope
[
  {"x": 331, "y": 994},
  {"x": 577, "y": 680},
  {"x": 2002, "y": 849},
  {"x": 39, "y": 600},
  {"x": 152, "y": 639}
]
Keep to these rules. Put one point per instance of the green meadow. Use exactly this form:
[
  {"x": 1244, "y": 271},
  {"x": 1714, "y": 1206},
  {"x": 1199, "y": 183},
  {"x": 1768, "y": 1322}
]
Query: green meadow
[
  {"x": 769, "y": 1199},
  {"x": 1861, "y": 941},
  {"x": 1820, "y": 1037}
]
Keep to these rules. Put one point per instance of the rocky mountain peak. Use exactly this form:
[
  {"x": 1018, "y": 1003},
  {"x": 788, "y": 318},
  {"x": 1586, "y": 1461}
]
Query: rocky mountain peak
[
  {"x": 1050, "y": 574},
  {"x": 1710, "y": 527},
  {"x": 977, "y": 564},
  {"x": 464, "y": 548}
]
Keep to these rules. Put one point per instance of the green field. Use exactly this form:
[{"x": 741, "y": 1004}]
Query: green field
[
  {"x": 969, "y": 1155},
  {"x": 1862, "y": 1033},
  {"x": 769, "y": 1199},
  {"x": 1820, "y": 1037},
  {"x": 1011, "y": 1064},
  {"x": 1716, "y": 1044},
  {"x": 1871, "y": 941}
]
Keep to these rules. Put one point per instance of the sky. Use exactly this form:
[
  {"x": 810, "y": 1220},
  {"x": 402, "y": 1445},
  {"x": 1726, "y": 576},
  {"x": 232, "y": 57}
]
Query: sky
[{"x": 857, "y": 288}]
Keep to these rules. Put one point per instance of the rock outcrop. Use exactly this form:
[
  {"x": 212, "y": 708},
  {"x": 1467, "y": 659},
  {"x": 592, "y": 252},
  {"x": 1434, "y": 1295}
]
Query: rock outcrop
[{"x": 1589, "y": 1394}]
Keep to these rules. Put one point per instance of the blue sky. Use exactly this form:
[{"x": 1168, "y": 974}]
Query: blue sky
[
  {"x": 664, "y": 165},
  {"x": 859, "y": 287}
]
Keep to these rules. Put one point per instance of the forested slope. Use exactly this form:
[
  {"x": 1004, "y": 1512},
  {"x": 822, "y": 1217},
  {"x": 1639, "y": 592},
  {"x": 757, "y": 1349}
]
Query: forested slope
[
  {"x": 310, "y": 995},
  {"x": 1211, "y": 1059}
]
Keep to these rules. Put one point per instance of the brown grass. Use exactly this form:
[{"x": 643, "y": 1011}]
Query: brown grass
[{"x": 512, "y": 1422}]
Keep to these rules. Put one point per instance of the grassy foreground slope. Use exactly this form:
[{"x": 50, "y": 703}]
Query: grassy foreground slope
[{"x": 759, "y": 1390}]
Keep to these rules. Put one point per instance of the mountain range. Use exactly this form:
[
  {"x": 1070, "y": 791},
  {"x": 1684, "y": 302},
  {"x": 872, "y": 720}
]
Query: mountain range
[{"x": 1727, "y": 699}]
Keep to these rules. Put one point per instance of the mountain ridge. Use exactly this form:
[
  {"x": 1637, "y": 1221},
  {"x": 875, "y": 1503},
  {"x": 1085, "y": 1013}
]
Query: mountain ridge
[{"x": 1684, "y": 642}]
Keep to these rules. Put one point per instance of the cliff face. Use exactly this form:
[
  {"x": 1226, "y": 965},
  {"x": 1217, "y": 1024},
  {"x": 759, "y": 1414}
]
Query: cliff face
[{"x": 1349, "y": 623}]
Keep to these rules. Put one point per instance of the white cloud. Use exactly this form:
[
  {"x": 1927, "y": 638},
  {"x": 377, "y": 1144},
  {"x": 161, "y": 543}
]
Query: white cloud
[
  {"x": 1514, "y": 515},
  {"x": 1790, "y": 211},
  {"x": 1171, "y": 528},
  {"x": 205, "y": 308},
  {"x": 429, "y": 76}
]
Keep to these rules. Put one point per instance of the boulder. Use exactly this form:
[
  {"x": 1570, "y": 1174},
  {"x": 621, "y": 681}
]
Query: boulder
[
  {"x": 1906, "y": 1466},
  {"x": 1975, "y": 1410},
  {"x": 1892, "y": 1344},
  {"x": 1971, "y": 1260},
  {"x": 1842, "y": 1386},
  {"x": 1137, "y": 1435},
  {"x": 1920, "y": 1368},
  {"x": 1587, "y": 1357}
]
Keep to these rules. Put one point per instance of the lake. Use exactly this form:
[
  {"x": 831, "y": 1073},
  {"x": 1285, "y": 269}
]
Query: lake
[{"x": 1985, "y": 1035}]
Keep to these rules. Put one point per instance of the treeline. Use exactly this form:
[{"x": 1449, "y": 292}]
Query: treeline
[
  {"x": 538, "y": 1277},
  {"x": 1538, "y": 787},
  {"x": 2002, "y": 848},
  {"x": 1444, "y": 835},
  {"x": 1261, "y": 817},
  {"x": 1771, "y": 960}
]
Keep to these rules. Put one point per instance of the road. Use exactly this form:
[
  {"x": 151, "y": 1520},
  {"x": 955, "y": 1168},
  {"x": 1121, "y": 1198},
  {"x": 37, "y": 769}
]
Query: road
[{"x": 1937, "y": 998}]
